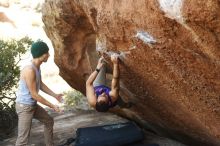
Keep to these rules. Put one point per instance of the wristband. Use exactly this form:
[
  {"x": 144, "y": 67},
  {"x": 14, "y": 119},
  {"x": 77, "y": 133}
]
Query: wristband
[{"x": 97, "y": 70}]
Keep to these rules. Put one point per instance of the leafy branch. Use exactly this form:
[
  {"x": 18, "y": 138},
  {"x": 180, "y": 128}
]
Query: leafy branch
[{"x": 10, "y": 55}]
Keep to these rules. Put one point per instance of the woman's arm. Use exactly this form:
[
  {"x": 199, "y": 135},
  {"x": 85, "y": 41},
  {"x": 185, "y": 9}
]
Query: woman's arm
[
  {"x": 90, "y": 93},
  {"x": 114, "y": 93},
  {"x": 94, "y": 74}
]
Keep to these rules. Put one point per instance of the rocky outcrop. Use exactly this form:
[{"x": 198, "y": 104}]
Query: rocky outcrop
[
  {"x": 170, "y": 58},
  {"x": 4, "y": 18}
]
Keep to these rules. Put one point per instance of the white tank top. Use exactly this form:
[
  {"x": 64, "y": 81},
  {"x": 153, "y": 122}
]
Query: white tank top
[{"x": 23, "y": 94}]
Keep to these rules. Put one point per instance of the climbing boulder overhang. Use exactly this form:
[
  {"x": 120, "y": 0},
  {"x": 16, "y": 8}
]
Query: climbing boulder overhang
[{"x": 170, "y": 58}]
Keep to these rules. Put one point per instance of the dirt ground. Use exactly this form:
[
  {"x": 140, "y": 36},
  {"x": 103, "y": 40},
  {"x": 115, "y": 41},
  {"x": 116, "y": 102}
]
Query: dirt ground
[{"x": 66, "y": 123}]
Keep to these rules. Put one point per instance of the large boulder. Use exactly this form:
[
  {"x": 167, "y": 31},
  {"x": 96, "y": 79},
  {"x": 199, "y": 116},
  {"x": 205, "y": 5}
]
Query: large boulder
[
  {"x": 5, "y": 19},
  {"x": 170, "y": 58}
]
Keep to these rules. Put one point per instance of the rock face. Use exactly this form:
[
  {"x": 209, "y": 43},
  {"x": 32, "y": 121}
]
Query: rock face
[
  {"x": 4, "y": 18},
  {"x": 170, "y": 58}
]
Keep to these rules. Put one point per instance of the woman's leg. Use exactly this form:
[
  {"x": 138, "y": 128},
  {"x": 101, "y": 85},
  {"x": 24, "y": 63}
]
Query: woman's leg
[{"x": 101, "y": 77}]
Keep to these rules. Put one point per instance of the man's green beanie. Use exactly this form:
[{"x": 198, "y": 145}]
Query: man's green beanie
[{"x": 38, "y": 49}]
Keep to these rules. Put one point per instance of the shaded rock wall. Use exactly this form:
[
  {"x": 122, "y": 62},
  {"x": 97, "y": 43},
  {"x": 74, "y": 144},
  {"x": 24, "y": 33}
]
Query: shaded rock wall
[{"x": 170, "y": 58}]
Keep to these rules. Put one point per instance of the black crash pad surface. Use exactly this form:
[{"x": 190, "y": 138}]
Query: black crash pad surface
[
  {"x": 120, "y": 134},
  {"x": 143, "y": 145}
]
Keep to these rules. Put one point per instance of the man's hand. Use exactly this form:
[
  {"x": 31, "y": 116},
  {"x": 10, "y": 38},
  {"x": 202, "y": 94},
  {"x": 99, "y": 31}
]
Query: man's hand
[
  {"x": 56, "y": 108},
  {"x": 100, "y": 63},
  {"x": 59, "y": 97},
  {"x": 114, "y": 58}
]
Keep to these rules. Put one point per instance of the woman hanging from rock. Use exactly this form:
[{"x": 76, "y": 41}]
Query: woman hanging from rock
[{"x": 99, "y": 96}]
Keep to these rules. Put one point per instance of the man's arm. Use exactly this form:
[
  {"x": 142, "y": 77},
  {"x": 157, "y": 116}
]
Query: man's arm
[
  {"x": 30, "y": 79},
  {"x": 47, "y": 90},
  {"x": 114, "y": 93}
]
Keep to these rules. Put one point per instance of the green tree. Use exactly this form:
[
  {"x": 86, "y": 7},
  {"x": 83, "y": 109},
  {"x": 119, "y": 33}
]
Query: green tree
[{"x": 10, "y": 55}]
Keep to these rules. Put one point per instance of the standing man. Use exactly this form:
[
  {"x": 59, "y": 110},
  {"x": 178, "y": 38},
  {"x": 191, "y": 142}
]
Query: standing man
[
  {"x": 99, "y": 96},
  {"x": 27, "y": 97}
]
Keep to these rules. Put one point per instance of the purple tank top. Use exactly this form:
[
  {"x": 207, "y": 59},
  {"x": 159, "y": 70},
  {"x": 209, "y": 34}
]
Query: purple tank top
[{"x": 102, "y": 88}]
